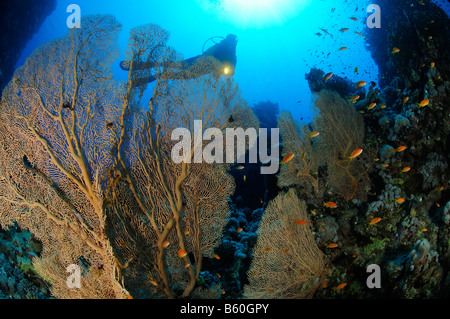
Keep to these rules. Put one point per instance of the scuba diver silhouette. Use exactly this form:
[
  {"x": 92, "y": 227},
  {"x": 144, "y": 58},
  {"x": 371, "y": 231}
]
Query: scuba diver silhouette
[{"x": 224, "y": 52}]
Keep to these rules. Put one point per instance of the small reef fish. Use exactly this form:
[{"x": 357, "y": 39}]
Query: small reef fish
[
  {"x": 356, "y": 70},
  {"x": 300, "y": 222},
  {"x": 405, "y": 99},
  {"x": 154, "y": 283},
  {"x": 344, "y": 29},
  {"x": 401, "y": 148},
  {"x": 383, "y": 106},
  {"x": 400, "y": 200},
  {"x": 371, "y": 106},
  {"x": 356, "y": 153},
  {"x": 240, "y": 167},
  {"x": 354, "y": 98},
  {"x": 405, "y": 169},
  {"x": 340, "y": 286},
  {"x": 433, "y": 64},
  {"x": 424, "y": 103},
  {"x": 395, "y": 50},
  {"x": 239, "y": 229},
  {"x": 332, "y": 245},
  {"x": 186, "y": 232},
  {"x": 287, "y": 158},
  {"x": 353, "y": 18},
  {"x": 360, "y": 84},
  {"x": 384, "y": 165},
  {"x": 165, "y": 244},
  {"x": 374, "y": 221},
  {"x": 182, "y": 253},
  {"x": 216, "y": 256},
  {"x": 267, "y": 249},
  {"x": 330, "y": 204},
  {"x": 325, "y": 31},
  {"x": 313, "y": 134},
  {"x": 327, "y": 76},
  {"x": 342, "y": 48}
]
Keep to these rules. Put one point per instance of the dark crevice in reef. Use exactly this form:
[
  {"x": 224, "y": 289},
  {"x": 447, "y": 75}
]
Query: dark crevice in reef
[{"x": 20, "y": 20}]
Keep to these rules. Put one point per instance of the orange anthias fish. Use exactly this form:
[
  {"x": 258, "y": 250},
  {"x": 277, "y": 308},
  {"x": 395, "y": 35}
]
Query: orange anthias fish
[
  {"x": 395, "y": 50},
  {"x": 342, "y": 48},
  {"x": 267, "y": 249},
  {"x": 239, "y": 229},
  {"x": 313, "y": 134},
  {"x": 300, "y": 222},
  {"x": 330, "y": 204},
  {"x": 355, "y": 153},
  {"x": 360, "y": 84},
  {"x": 400, "y": 200},
  {"x": 327, "y": 76},
  {"x": 287, "y": 158},
  {"x": 340, "y": 286},
  {"x": 332, "y": 245},
  {"x": 401, "y": 148},
  {"x": 182, "y": 253},
  {"x": 383, "y": 106},
  {"x": 326, "y": 32},
  {"x": 406, "y": 169},
  {"x": 216, "y": 256},
  {"x": 165, "y": 244},
  {"x": 154, "y": 283},
  {"x": 371, "y": 106},
  {"x": 354, "y": 98},
  {"x": 375, "y": 220},
  {"x": 424, "y": 103},
  {"x": 405, "y": 99}
]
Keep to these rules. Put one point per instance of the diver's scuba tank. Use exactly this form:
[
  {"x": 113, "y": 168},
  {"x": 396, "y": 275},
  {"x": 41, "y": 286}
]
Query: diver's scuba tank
[{"x": 212, "y": 40}]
